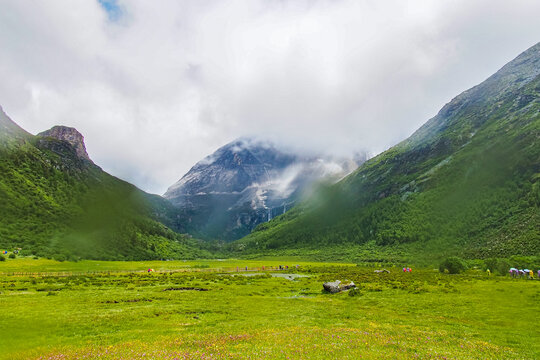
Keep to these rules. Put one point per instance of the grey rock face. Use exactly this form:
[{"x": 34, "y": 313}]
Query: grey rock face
[
  {"x": 247, "y": 182},
  {"x": 230, "y": 169},
  {"x": 70, "y": 135}
]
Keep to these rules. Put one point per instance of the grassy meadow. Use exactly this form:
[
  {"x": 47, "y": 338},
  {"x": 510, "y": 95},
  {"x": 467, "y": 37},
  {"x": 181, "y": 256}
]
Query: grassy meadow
[{"x": 208, "y": 310}]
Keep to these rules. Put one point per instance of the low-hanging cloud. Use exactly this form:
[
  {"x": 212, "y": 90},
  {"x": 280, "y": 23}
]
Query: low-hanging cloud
[{"x": 156, "y": 86}]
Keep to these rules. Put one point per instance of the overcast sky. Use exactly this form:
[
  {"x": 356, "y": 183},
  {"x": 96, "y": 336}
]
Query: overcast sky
[{"x": 154, "y": 86}]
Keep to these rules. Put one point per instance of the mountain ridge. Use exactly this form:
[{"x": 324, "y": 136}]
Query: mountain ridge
[{"x": 465, "y": 183}]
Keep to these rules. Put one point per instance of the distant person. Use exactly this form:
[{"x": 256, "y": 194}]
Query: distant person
[
  {"x": 513, "y": 272},
  {"x": 538, "y": 274},
  {"x": 488, "y": 272},
  {"x": 404, "y": 269},
  {"x": 531, "y": 274}
]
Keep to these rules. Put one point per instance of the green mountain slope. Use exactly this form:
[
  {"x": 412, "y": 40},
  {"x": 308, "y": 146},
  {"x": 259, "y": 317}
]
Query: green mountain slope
[
  {"x": 467, "y": 182},
  {"x": 54, "y": 202}
]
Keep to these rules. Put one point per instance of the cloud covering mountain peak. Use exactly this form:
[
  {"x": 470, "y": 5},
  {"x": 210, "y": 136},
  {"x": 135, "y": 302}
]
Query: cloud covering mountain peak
[{"x": 155, "y": 87}]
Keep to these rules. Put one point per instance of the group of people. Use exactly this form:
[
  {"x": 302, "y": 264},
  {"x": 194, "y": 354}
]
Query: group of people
[
  {"x": 407, "y": 269},
  {"x": 279, "y": 267},
  {"x": 521, "y": 273}
]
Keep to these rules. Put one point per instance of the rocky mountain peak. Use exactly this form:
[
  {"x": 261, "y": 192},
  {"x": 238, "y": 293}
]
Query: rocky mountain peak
[
  {"x": 70, "y": 135},
  {"x": 249, "y": 181}
]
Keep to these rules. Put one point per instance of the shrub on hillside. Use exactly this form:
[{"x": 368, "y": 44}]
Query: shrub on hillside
[
  {"x": 60, "y": 257},
  {"x": 452, "y": 265},
  {"x": 497, "y": 265},
  {"x": 521, "y": 262},
  {"x": 2, "y": 258},
  {"x": 12, "y": 256}
]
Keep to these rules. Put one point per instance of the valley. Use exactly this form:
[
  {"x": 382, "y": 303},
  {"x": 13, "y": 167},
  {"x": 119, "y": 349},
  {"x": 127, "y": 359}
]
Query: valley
[
  {"x": 466, "y": 183},
  {"x": 439, "y": 233}
]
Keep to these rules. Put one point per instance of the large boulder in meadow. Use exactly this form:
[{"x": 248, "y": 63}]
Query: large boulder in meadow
[
  {"x": 332, "y": 286},
  {"x": 336, "y": 286}
]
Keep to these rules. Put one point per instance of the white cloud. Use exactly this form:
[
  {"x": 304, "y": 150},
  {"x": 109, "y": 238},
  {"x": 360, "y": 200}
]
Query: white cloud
[{"x": 164, "y": 84}]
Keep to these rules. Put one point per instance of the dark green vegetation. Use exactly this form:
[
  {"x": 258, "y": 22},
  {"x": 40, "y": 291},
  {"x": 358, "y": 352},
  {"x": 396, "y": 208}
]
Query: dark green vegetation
[
  {"x": 466, "y": 183},
  {"x": 165, "y": 315},
  {"x": 452, "y": 265},
  {"x": 54, "y": 203}
]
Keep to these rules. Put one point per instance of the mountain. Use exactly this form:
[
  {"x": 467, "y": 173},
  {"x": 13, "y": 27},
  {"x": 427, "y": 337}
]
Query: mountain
[
  {"x": 55, "y": 202},
  {"x": 466, "y": 183},
  {"x": 247, "y": 182}
]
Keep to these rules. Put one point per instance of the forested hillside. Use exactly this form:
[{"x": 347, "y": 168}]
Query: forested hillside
[
  {"x": 56, "y": 203},
  {"x": 467, "y": 182}
]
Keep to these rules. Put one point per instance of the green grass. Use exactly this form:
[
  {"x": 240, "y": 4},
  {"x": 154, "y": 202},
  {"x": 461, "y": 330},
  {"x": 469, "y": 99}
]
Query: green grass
[
  {"x": 423, "y": 314},
  {"x": 29, "y": 265}
]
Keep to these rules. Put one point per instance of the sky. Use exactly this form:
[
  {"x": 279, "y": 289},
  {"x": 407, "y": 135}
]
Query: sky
[{"x": 155, "y": 86}]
